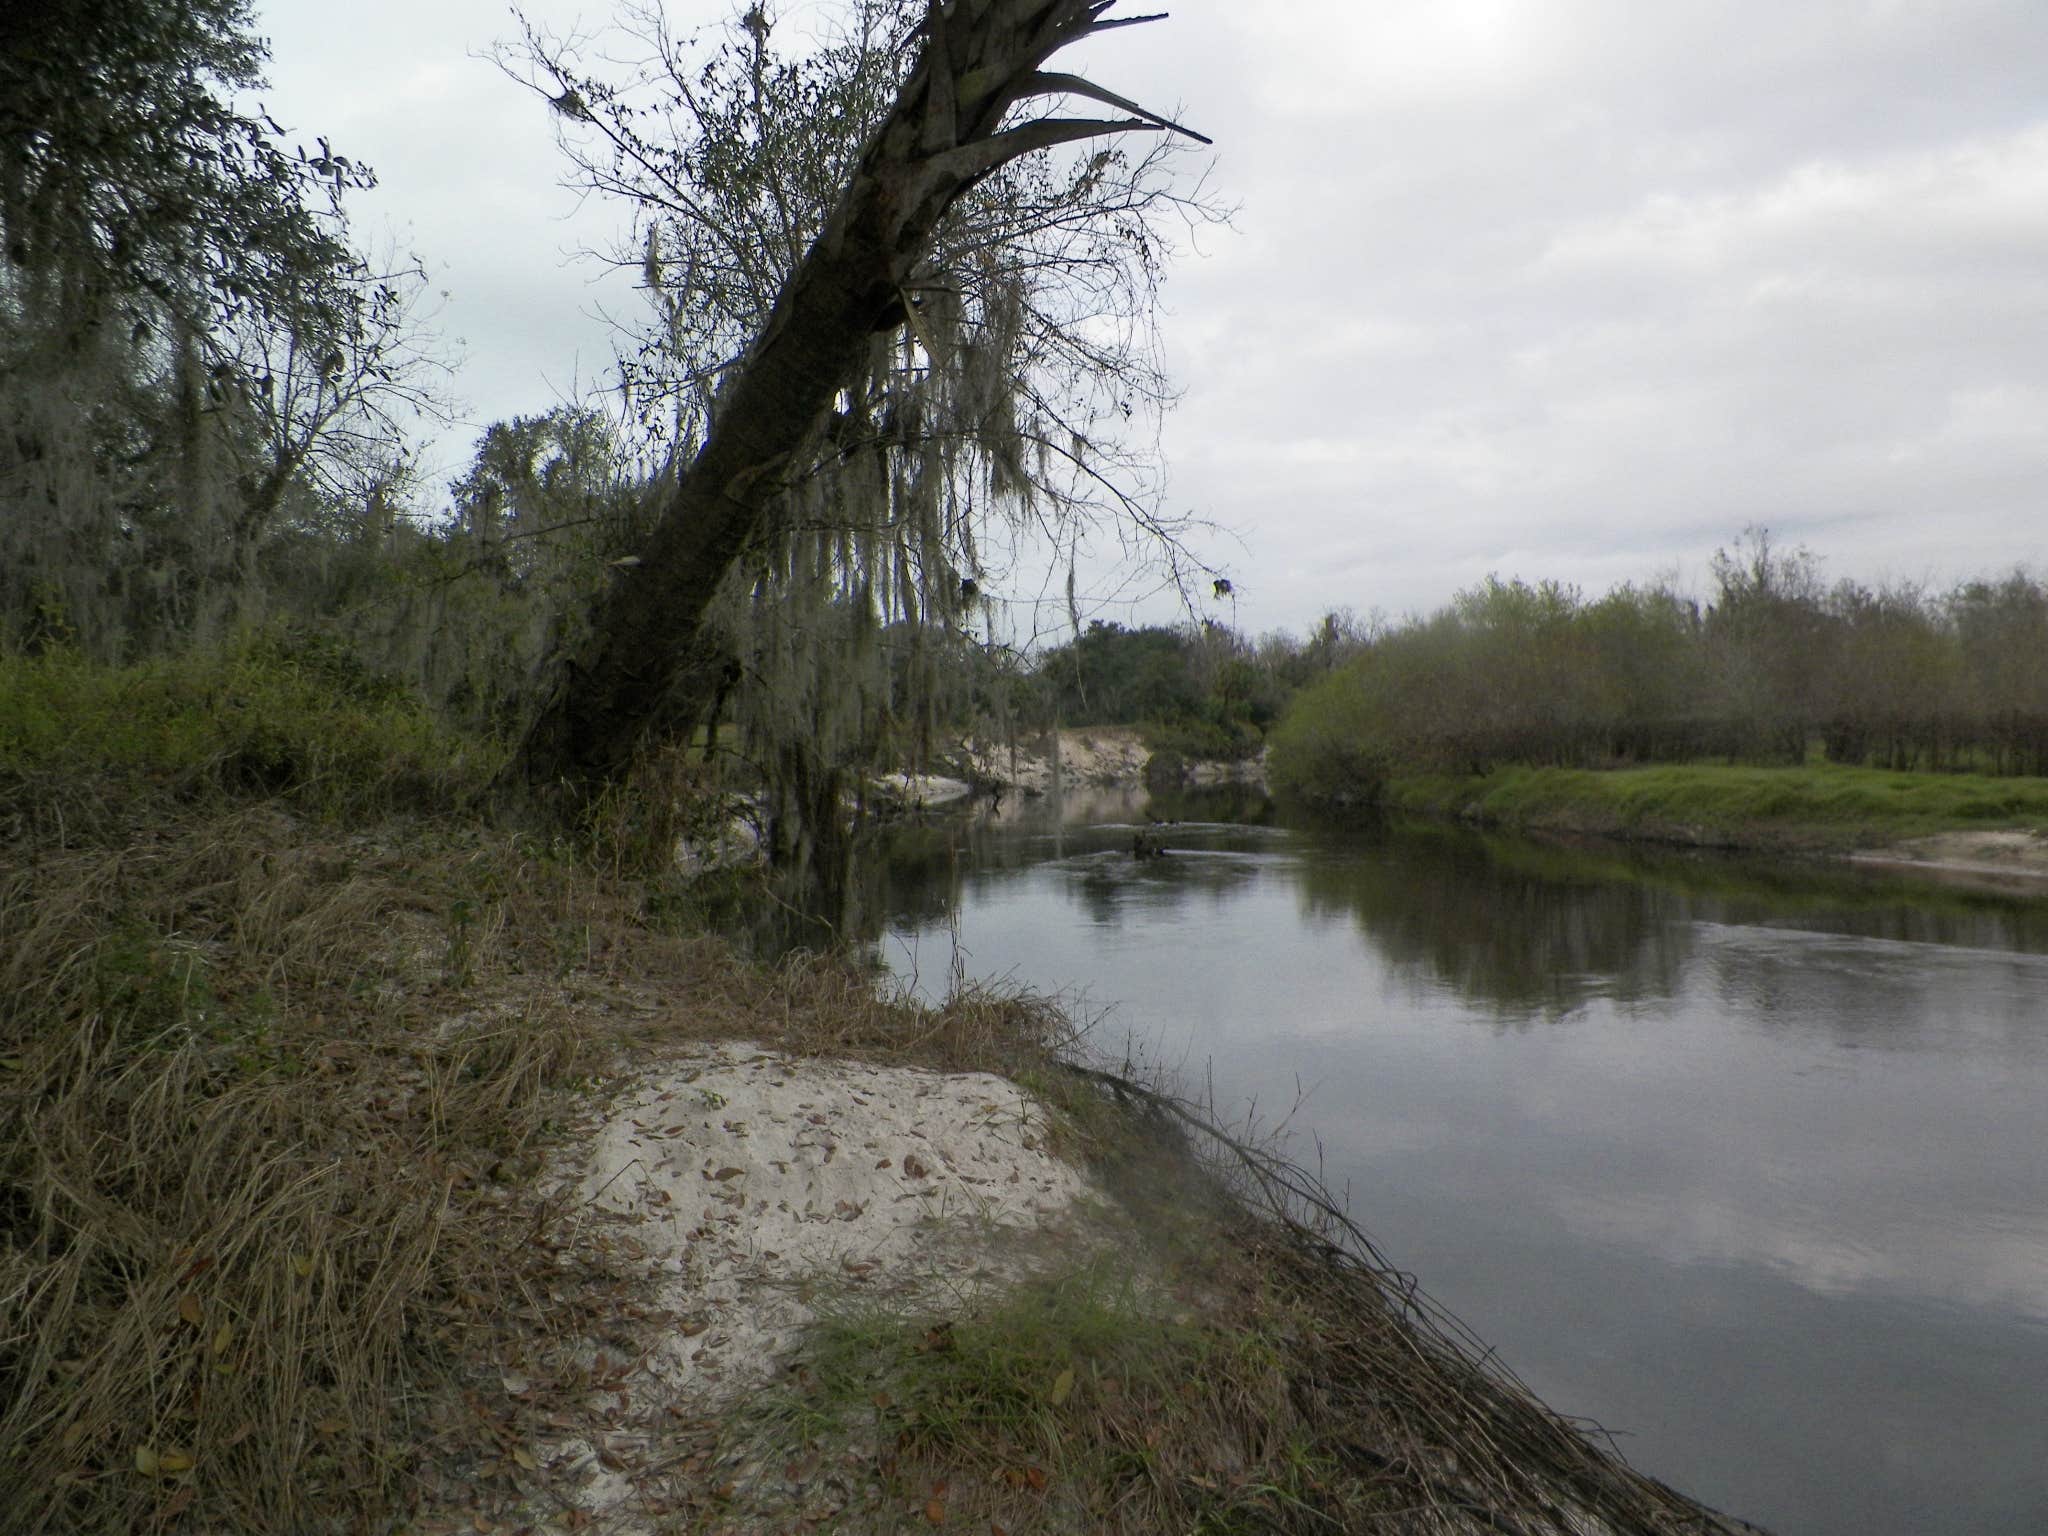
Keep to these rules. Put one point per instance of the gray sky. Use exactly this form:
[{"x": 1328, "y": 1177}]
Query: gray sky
[{"x": 1569, "y": 289}]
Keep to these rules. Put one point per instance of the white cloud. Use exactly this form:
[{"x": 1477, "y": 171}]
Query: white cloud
[
  {"x": 1926, "y": 1259},
  {"x": 1567, "y": 291}
]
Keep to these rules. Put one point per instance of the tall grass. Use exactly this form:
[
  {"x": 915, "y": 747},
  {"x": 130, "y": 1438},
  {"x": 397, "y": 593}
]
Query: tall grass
[
  {"x": 290, "y": 715},
  {"x": 285, "y": 1036}
]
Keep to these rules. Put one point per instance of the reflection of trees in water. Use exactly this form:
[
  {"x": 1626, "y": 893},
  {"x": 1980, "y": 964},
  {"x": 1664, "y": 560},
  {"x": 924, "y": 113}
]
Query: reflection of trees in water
[
  {"x": 1526, "y": 929},
  {"x": 1537, "y": 928},
  {"x": 1111, "y": 884},
  {"x": 912, "y": 873},
  {"x": 1530, "y": 939},
  {"x": 1856, "y": 993}
]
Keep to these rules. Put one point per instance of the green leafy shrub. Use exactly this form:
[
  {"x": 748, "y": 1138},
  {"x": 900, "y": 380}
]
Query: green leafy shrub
[
  {"x": 279, "y": 712},
  {"x": 1329, "y": 748}
]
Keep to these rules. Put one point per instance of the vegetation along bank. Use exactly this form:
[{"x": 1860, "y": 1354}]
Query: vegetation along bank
[
  {"x": 329, "y": 1117},
  {"x": 1778, "y": 712}
]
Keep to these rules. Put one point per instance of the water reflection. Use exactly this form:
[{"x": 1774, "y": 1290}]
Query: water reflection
[
  {"x": 1744, "y": 1158},
  {"x": 1527, "y": 930}
]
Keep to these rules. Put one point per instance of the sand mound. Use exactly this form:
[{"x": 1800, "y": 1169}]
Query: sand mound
[{"x": 753, "y": 1188}]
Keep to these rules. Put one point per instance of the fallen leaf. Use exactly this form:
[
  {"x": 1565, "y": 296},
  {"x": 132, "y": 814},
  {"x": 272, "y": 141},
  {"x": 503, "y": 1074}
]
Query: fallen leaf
[
  {"x": 912, "y": 1167},
  {"x": 1036, "y": 1477},
  {"x": 727, "y": 1173},
  {"x": 145, "y": 1461},
  {"x": 303, "y": 1264},
  {"x": 223, "y": 1336},
  {"x": 191, "y": 1309},
  {"x": 168, "y": 1462},
  {"x": 330, "y": 1426},
  {"x": 1062, "y": 1386},
  {"x": 526, "y": 1458},
  {"x": 935, "y": 1511}
]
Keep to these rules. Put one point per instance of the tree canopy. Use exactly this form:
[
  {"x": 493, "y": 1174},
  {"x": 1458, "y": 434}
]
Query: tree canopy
[{"x": 185, "y": 326}]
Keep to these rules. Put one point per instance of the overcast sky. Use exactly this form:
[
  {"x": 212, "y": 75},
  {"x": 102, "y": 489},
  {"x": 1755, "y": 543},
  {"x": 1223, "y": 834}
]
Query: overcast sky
[{"x": 1569, "y": 289}]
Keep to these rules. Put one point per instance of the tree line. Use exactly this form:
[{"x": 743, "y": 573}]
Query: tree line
[
  {"x": 1201, "y": 688},
  {"x": 1773, "y": 665}
]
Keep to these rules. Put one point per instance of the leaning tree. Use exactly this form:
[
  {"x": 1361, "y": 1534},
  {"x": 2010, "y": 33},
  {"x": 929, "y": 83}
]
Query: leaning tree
[{"x": 891, "y": 322}]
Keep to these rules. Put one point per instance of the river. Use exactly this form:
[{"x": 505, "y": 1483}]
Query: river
[{"x": 1747, "y": 1162}]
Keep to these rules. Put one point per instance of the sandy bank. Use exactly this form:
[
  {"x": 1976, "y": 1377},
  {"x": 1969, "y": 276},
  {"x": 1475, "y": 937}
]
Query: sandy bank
[
  {"x": 743, "y": 1196},
  {"x": 1102, "y": 756},
  {"x": 748, "y": 1191},
  {"x": 2011, "y": 859}
]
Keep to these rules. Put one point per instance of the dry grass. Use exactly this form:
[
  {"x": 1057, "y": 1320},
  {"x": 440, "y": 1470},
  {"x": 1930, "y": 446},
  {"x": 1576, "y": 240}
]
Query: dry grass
[
  {"x": 267, "y": 1094},
  {"x": 274, "y": 1093}
]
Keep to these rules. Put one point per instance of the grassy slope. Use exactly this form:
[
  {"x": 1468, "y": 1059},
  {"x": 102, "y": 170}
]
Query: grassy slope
[
  {"x": 287, "y": 1033},
  {"x": 1819, "y": 806}
]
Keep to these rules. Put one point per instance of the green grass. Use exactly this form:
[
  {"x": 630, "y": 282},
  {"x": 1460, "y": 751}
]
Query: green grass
[
  {"x": 1077, "y": 1400},
  {"x": 279, "y": 714},
  {"x": 1817, "y": 805}
]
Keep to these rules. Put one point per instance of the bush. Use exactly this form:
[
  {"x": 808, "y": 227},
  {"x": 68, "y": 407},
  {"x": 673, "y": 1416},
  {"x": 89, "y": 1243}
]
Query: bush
[
  {"x": 283, "y": 712},
  {"x": 1329, "y": 749}
]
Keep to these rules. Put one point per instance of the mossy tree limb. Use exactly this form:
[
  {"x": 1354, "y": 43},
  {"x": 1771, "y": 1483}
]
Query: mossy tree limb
[{"x": 953, "y": 123}]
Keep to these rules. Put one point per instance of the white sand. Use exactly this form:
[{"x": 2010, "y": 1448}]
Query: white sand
[{"x": 755, "y": 1188}]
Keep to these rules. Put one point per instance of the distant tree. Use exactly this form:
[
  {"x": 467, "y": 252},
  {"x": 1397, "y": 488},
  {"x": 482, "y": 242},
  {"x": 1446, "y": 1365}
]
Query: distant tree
[
  {"x": 544, "y": 490},
  {"x": 327, "y": 407},
  {"x": 1770, "y": 635},
  {"x": 1650, "y": 675},
  {"x": 2001, "y": 630}
]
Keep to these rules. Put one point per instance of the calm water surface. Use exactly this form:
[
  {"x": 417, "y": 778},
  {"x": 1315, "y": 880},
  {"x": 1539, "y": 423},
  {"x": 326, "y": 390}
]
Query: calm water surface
[{"x": 1747, "y": 1163}]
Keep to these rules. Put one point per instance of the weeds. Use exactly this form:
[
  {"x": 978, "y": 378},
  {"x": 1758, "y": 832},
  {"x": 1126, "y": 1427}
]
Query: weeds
[
  {"x": 1062, "y": 1404},
  {"x": 278, "y": 715},
  {"x": 275, "y": 1088}
]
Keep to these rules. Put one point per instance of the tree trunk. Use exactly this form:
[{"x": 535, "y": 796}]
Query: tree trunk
[{"x": 643, "y": 664}]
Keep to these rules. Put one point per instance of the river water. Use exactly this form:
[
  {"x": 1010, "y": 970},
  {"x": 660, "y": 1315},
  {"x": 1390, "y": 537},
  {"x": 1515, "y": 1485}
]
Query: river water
[{"x": 1747, "y": 1162}]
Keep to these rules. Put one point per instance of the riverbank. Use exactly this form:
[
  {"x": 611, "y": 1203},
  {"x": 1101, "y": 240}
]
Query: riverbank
[
  {"x": 370, "y": 1166},
  {"x": 1097, "y": 757},
  {"x": 1964, "y": 825},
  {"x": 408, "y": 1171}
]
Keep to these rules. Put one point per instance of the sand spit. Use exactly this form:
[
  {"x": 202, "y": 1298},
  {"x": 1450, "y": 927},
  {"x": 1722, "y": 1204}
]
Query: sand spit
[
  {"x": 1101, "y": 756},
  {"x": 753, "y": 1189}
]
